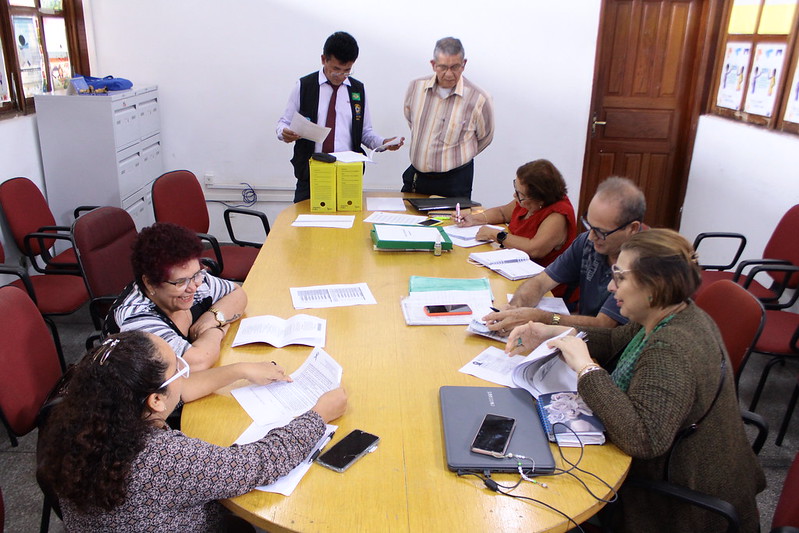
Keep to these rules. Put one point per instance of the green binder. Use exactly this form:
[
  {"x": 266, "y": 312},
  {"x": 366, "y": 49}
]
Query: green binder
[{"x": 408, "y": 238}]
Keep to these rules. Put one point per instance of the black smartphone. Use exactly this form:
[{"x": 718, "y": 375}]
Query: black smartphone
[
  {"x": 447, "y": 310},
  {"x": 325, "y": 158},
  {"x": 494, "y": 435},
  {"x": 342, "y": 454},
  {"x": 430, "y": 222}
]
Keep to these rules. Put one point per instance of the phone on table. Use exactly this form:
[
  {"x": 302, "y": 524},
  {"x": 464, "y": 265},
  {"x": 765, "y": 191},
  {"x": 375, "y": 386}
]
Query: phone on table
[
  {"x": 342, "y": 454},
  {"x": 494, "y": 435},
  {"x": 431, "y": 222},
  {"x": 447, "y": 310}
]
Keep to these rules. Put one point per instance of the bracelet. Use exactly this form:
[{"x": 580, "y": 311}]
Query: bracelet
[
  {"x": 555, "y": 319},
  {"x": 590, "y": 367}
]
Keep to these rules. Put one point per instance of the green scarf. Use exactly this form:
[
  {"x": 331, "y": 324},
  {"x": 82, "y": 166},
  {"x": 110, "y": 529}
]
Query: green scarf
[{"x": 624, "y": 371}]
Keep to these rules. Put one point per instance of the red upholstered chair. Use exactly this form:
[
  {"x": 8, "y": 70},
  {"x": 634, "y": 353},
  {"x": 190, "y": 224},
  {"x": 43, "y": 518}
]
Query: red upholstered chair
[
  {"x": 781, "y": 249},
  {"x": 786, "y": 515},
  {"x": 178, "y": 198},
  {"x": 34, "y": 229},
  {"x": 104, "y": 242}
]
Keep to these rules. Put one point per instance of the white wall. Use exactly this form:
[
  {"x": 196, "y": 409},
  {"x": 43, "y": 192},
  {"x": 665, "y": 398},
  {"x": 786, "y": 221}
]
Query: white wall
[{"x": 224, "y": 76}]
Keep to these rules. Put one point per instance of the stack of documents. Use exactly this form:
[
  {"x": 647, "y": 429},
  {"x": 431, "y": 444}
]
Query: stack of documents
[
  {"x": 476, "y": 293},
  {"x": 409, "y": 238},
  {"x": 511, "y": 263}
]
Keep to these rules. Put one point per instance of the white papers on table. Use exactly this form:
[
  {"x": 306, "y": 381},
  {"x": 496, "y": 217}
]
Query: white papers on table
[
  {"x": 413, "y": 306},
  {"x": 494, "y": 365},
  {"x": 466, "y": 237},
  {"x": 512, "y": 263},
  {"x": 387, "y": 232},
  {"x": 324, "y": 221},
  {"x": 351, "y": 157},
  {"x": 307, "y": 129},
  {"x": 342, "y": 295},
  {"x": 379, "y": 217},
  {"x": 553, "y": 304},
  {"x": 374, "y": 203},
  {"x": 274, "y": 402},
  {"x": 299, "y": 329},
  {"x": 285, "y": 485}
]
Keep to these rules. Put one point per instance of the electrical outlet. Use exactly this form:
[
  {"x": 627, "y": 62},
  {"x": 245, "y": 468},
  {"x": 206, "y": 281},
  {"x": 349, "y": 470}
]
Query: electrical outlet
[{"x": 210, "y": 179}]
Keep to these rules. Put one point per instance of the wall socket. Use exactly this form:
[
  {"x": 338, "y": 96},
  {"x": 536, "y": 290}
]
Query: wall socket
[{"x": 209, "y": 178}]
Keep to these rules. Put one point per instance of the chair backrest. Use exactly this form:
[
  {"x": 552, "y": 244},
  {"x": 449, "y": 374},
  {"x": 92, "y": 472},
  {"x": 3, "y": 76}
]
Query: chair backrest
[
  {"x": 104, "y": 241},
  {"x": 782, "y": 244},
  {"x": 26, "y": 211},
  {"x": 738, "y": 315},
  {"x": 178, "y": 198},
  {"x": 787, "y": 511},
  {"x": 29, "y": 360}
]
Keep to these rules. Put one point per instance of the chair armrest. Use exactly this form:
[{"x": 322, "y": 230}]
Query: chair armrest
[
  {"x": 98, "y": 310},
  {"x": 710, "y": 503},
  {"x": 22, "y": 274},
  {"x": 215, "y": 247},
  {"x": 760, "y": 423},
  {"x": 785, "y": 529},
  {"x": 41, "y": 237},
  {"x": 83, "y": 209},
  {"x": 66, "y": 229},
  {"x": 249, "y": 212},
  {"x": 780, "y": 284},
  {"x": 722, "y": 235},
  {"x": 211, "y": 265}
]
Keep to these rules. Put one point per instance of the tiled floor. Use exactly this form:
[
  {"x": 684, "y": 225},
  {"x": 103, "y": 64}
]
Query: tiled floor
[{"x": 24, "y": 501}]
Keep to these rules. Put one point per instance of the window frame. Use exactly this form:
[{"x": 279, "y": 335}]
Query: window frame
[
  {"x": 73, "y": 15},
  {"x": 776, "y": 121}
]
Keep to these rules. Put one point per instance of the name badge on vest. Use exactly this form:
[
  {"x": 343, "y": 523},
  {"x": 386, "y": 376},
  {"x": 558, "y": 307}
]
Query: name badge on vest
[{"x": 358, "y": 110}]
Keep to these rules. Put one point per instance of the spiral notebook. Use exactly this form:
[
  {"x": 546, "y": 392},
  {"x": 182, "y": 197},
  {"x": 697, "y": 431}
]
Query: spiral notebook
[{"x": 568, "y": 421}]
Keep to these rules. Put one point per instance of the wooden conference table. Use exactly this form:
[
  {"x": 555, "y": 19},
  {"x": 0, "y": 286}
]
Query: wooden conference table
[{"x": 392, "y": 373}]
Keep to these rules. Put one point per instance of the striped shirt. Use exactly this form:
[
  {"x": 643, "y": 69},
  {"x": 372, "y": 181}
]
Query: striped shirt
[
  {"x": 448, "y": 132},
  {"x": 134, "y": 311}
]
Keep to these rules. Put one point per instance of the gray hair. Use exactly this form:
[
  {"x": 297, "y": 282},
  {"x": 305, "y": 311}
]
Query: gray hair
[
  {"x": 626, "y": 194},
  {"x": 449, "y": 46}
]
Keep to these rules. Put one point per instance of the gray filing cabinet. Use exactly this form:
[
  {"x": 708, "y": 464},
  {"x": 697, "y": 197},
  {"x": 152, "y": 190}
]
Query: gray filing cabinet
[{"x": 100, "y": 150}]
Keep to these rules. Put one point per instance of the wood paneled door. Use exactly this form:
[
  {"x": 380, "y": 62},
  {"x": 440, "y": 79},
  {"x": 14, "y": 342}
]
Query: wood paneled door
[{"x": 648, "y": 56}]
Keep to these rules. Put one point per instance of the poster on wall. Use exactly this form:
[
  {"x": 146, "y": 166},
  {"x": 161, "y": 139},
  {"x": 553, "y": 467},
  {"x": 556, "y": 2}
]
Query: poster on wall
[
  {"x": 764, "y": 79},
  {"x": 731, "y": 85},
  {"x": 792, "y": 98}
]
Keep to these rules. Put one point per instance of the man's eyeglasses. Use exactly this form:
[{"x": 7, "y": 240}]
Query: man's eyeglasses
[
  {"x": 198, "y": 278},
  {"x": 182, "y": 371},
  {"x": 454, "y": 68},
  {"x": 618, "y": 274},
  {"x": 602, "y": 234}
]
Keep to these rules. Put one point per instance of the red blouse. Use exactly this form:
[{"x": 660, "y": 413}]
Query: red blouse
[{"x": 528, "y": 227}]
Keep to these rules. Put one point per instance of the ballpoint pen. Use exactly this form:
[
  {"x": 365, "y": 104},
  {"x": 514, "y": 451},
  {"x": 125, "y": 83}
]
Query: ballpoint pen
[
  {"x": 318, "y": 451},
  {"x": 458, "y": 212}
]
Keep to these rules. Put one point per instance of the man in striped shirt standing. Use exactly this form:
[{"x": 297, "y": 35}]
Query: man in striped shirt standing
[{"x": 451, "y": 121}]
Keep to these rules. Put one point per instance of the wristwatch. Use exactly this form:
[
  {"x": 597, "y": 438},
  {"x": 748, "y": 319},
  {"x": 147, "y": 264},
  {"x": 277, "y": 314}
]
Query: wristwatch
[
  {"x": 501, "y": 236},
  {"x": 218, "y": 315}
]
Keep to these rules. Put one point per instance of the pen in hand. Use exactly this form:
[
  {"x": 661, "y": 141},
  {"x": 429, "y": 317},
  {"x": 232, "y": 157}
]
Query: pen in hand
[{"x": 458, "y": 212}]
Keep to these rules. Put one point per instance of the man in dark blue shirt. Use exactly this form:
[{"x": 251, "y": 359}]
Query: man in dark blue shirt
[{"x": 614, "y": 215}]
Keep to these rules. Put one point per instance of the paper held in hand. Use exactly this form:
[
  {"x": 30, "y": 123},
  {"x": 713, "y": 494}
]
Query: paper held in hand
[{"x": 299, "y": 329}]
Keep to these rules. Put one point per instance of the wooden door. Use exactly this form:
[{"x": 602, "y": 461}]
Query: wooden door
[{"x": 649, "y": 54}]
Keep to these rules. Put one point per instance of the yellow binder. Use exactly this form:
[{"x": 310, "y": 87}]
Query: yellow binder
[
  {"x": 323, "y": 186},
  {"x": 349, "y": 186}
]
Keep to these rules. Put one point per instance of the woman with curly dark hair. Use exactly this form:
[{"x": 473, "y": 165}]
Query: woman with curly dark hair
[{"x": 114, "y": 464}]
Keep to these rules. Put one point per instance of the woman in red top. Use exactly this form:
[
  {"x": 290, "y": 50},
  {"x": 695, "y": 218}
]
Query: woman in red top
[{"x": 540, "y": 218}]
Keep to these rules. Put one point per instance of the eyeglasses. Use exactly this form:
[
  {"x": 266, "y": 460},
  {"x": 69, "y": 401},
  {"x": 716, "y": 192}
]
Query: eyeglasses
[
  {"x": 602, "y": 234},
  {"x": 618, "y": 274},
  {"x": 454, "y": 68},
  {"x": 198, "y": 278},
  {"x": 182, "y": 371},
  {"x": 104, "y": 350},
  {"x": 517, "y": 194}
]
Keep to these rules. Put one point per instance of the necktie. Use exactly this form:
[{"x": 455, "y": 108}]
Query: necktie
[{"x": 329, "y": 144}]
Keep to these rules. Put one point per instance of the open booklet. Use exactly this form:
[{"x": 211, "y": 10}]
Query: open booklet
[
  {"x": 299, "y": 329},
  {"x": 568, "y": 420},
  {"x": 512, "y": 263}
]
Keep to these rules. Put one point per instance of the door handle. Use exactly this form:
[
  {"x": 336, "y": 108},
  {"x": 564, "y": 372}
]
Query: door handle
[{"x": 596, "y": 123}]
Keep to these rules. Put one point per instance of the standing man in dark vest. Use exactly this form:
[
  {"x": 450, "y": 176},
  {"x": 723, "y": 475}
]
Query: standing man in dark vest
[{"x": 348, "y": 116}]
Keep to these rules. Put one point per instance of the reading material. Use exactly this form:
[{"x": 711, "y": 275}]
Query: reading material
[
  {"x": 466, "y": 237},
  {"x": 274, "y": 402},
  {"x": 512, "y": 263},
  {"x": 307, "y": 129},
  {"x": 299, "y": 329},
  {"x": 568, "y": 420},
  {"x": 320, "y": 296},
  {"x": 546, "y": 373},
  {"x": 391, "y": 237}
]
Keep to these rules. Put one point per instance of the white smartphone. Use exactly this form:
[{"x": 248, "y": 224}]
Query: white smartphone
[{"x": 345, "y": 452}]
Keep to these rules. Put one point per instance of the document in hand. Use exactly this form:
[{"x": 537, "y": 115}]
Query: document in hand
[
  {"x": 512, "y": 263},
  {"x": 299, "y": 329},
  {"x": 479, "y": 327},
  {"x": 546, "y": 373},
  {"x": 568, "y": 420},
  {"x": 268, "y": 403}
]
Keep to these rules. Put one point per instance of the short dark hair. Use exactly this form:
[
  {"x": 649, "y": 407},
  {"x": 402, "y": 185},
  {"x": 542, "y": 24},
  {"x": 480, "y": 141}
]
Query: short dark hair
[
  {"x": 160, "y": 247},
  {"x": 627, "y": 196},
  {"x": 665, "y": 264},
  {"x": 543, "y": 180},
  {"x": 342, "y": 46}
]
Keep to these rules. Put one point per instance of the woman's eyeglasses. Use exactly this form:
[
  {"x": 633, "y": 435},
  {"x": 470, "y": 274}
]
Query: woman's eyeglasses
[
  {"x": 618, "y": 274},
  {"x": 182, "y": 371},
  {"x": 198, "y": 278},
  {"x": 602, "y": 234}
]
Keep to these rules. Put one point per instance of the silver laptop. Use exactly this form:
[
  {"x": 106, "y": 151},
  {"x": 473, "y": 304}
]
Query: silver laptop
[{"x": 462, "y": 411}]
